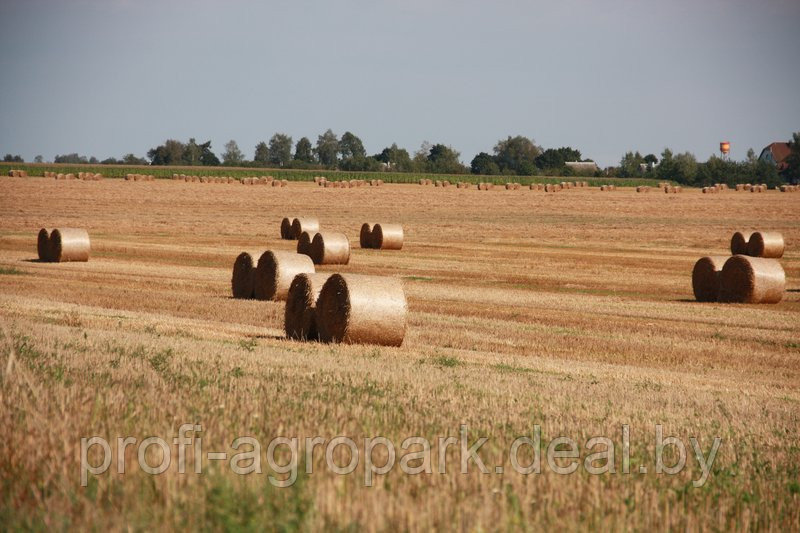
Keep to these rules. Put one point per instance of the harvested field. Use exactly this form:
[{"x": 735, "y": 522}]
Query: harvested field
[{"x": 571, "y": 311}]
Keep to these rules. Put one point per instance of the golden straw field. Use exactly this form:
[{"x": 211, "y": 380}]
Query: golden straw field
[{"x": 572, "y": 311}]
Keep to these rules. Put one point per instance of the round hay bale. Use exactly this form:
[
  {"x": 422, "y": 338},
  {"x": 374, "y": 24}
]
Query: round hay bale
[
  {"x": 275, "y": 183},
  {"x": 286, "y": 229},
  {"x": 357, "y": 309},
  {"x": 275, "y": 272},
  {"x": 69, "y": 244},
  {"x": 244, "y": 271},
  {"x": 387, "y": 236},
  {"x": 330, "y": 249},
  {"x": 304, "y": 242},
  {"x": 43, "y": 245},
  {"x": 299, "y": 320},
  {"x": 751, "y": 280},
  {"x": 766, "y": 244},
  {"x": 284, "y": 183},
  {"x": 365, "y": 235},
  {"x": 299, "y": 225},
  {"x": 705, "y": 277},
  {"x": 739, "y": 242}
]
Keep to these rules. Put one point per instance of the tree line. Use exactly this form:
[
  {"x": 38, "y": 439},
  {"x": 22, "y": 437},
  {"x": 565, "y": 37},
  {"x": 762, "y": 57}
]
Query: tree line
[{"x": 512, "y": 156}]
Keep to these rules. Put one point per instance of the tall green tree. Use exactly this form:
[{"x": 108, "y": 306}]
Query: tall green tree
[
  {"x": 397, "y": 159},
  {"x": 677, "y": 167},
  {"x": 630, "y": 165},
  {"x": 517, "y": 154},
  {"x": 208, "y": 157},
  {"x": 280, "y": 149},
  {"x": 303, "y": 151},
  {"x": 169, "y": 153},
  {"x": 232, "y": 156},
  {"x": 484, "y": 164},
  {"x": 351, "y": 147},
  {"x": 192, "y": 153},
  {"x": 792, "y": 171},
  {"x": 261, "y": 155},
  {"x": 554, "y": 158},
  {"x": 445, "y": 160},
  {"x": 327, "y": 149}
]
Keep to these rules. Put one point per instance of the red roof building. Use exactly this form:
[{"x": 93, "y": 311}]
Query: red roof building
[{"x": 776, "y": 153}]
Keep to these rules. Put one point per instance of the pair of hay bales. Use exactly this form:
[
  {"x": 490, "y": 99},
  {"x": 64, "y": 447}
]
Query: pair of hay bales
[
  {"x": 139, "y": 177},
  {"x": 462, "y": 185},
  {"x": 346, "y": 308},
  {"x": 710, "y": 190},
  {"x": 442, "y": 183},
  {"x": 267, "y": 275},
  {"x": 643, "y": 188},
  {"x": 789, "y": 188},
  {"x": 325, "y": 248},
  {"x": 511, "y": 186},
  {"x": 738, "y": 279},
  {"x": 89, "y": 176},
  {"x": 483, "y": 186},
  {"x": 767, "y": 244},
  {"x": 758, "y": 188},
  {"x": 673, "y": 189},
  {"x": 344, "y": 184},
  {"x": 17, "y": 174},
  {"x": 62, "y": 245},
  {"x": 425, "y": 181},
  {"x": 292, "y": 228},
  {"x": 381, "y": 236}
]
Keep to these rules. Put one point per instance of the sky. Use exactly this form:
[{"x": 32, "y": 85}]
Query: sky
[{"x": 108, "y": 77}]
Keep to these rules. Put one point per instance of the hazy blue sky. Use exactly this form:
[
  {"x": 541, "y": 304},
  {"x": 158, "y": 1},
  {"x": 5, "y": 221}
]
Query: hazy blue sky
[{"x": 104, "y": 78}]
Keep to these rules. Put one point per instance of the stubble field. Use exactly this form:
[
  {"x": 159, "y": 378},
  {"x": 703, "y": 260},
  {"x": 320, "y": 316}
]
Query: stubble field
[{"x": 570, "y": 311}]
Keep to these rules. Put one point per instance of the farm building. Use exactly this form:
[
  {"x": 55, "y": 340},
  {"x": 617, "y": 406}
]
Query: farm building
[
  {"x": 776, "y": 154},
  {"x": 582, "y": 166}
]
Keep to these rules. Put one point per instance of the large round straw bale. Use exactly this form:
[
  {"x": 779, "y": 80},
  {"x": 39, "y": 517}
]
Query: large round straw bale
[
  {"x": 705, "y": 277},
  {"x": 357, "y": 309},
  {"x": 69, "y": 244},
  {"x": 387, "y": 236},
  {"x": 244, "y": 271},
  {"x": 43, "y": 245},
  {"x": 739, "y": 242},
  {"x": 301, "y": 303},
  {"x": 766, "y": 244},
  {"x": 365, "y": 236},
  {"x": 330, "y": 249},
  {"x": 299, "y": 225},
  {"x": 751, "y": 280},
  {"x": 286, "y": 228},
  {"x": 275, "y": 272},
  {"x": 304, "y": 242}
]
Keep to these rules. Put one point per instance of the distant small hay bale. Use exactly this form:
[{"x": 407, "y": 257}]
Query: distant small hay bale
[
  {"x": 330, "y": 249},
  {"x": 767, "y": 244},
  {"x": 299, "y": 225},
  {"x": 509, "y": 186},
  {"x": 69, "y": 177},
  {"x": 365, "y": 235},
  {"x": 387, "y": 236},
  {"x": 705, "y": 277},
  {"x": 437, "y": 183},
  {"x": 752, "y": 280},
  {"x": 43, "y": 245},
  {"x": 69, "y": 244},
  {"x": 243, "y": 277},
  {"x": 286, "y": 228},
  {"x": 275, "y": 272},
  {"x": 445, "y": 183},
  {"x": 60, "y": 176},
  {"x": 276, "y": 183},
  {"x": 358, "y": 309},
  {"x": 304, "y": 242},
  {"x": 299, "y": 319},
  {"x": 284, "y": 183}
]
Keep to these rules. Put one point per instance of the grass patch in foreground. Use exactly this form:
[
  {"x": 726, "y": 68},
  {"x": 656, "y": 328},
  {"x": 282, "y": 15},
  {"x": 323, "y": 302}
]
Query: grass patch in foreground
[{"x": 11, "y": 271}]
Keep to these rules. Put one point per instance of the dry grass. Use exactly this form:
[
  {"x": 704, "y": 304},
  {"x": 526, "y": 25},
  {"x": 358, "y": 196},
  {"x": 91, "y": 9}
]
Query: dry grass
[{"x": 573, "y": 311}]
